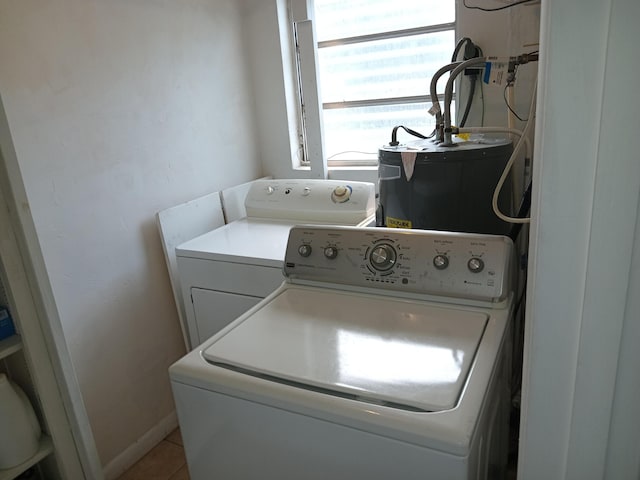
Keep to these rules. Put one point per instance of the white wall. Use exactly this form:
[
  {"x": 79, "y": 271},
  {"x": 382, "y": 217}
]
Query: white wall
[
  {"x": 269, "y": 51},
  {"x": 502, "y": 34},
  {"x": 119, "y": 109}
]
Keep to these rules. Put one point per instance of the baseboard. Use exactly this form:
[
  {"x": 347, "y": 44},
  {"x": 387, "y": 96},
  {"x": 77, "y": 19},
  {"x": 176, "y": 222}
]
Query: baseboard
[{"x": 141, "y": 447}]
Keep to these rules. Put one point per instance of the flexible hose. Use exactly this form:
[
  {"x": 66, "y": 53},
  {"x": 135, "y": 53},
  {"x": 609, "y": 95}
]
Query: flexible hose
[
  {"x": 456, "y": 50},
  {"x": 467, "y": 109},
  {"x": 514, "y": 154},
  {"x": 510, "y": 131},
  {"x": 472, "y": 79},
  {"x": 434, "y": 95},
  {"x": 448, "y": 94},
  {"x": 523, "y": 141}
]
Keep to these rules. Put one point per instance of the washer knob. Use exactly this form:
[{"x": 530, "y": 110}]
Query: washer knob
[
  {"x": 270, "y": 190},
  {"x": 330, "y": 252},
  {"x": 475, "y": 265},
  {"x": 341, "y": 194},
  {"x": 304, "y": 250},
  {"x": 306, "y": 191},
  {"x": 383, "y": 257},
  {"x": 441, "y": 262}
]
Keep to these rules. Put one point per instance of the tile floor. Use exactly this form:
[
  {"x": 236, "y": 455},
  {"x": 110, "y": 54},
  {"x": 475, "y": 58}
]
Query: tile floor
[{"x": 166, "y": 461}]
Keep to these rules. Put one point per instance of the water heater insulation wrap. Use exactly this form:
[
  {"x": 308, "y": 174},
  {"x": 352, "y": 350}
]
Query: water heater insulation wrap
[{"x": 448, "y": 188}]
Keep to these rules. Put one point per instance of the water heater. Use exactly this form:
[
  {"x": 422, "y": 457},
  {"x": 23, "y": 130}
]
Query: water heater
[{"x": 427, "y": 186}]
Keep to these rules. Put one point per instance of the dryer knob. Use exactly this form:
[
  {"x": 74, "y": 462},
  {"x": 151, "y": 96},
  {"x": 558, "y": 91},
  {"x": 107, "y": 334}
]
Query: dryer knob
[
  {"x": 304, "y": 250},
  {"x": 341, "y": 194}
]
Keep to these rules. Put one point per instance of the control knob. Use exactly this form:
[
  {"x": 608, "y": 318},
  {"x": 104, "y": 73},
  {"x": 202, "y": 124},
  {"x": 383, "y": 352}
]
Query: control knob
[
  {"x": 441, "y": 262},
  {"x": 383, "y": 257},
  {"x": 341, "y": 194},
  {"x": 475, "y": 265},
  {"x": 330, "y": 252},
  {"x": 304, "y": 250}
]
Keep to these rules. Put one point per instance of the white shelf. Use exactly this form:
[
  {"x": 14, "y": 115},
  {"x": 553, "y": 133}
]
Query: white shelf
[
  {"x": 44, "y": 449},
  {"x": 10, "y": 345}
]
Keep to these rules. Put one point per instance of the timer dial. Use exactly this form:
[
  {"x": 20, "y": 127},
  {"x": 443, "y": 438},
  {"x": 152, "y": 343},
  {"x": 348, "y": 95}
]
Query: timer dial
[
  {"x": 341, "y": 194},
  {"x": 383, "y": 257}
]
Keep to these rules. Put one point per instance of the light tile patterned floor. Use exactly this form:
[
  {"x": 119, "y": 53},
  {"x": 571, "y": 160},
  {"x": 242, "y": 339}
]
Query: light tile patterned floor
[{"x": 166, "y": 461}]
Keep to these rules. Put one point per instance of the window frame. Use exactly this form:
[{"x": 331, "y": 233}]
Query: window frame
[{"x": 309, "y": 104}]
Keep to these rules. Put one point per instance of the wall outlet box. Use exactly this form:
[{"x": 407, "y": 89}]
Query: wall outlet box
[{"x": 6, "y": 324}]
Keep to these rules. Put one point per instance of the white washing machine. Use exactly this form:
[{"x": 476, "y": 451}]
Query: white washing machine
[
  {"x": 225, "y": 272},
  {"x": 384, "y": 354}
]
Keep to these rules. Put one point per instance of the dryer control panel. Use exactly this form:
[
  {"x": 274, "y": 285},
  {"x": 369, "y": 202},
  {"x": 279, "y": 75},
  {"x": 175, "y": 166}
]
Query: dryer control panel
[
  {"x": 405, "y": 262},
  {"x": 312, "y": 201}
]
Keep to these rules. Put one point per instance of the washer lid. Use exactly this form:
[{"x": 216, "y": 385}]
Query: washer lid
[{"x": 387, "y": 351}]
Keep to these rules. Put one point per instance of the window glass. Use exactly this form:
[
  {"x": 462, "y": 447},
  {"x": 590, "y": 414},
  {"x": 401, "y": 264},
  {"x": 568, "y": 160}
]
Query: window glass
[
  {"x": 353, "y": 135},
  {"x": 376, "y": 59},
  {"x": 340, "y": 19},
  {"x": 391, "y": 67}
]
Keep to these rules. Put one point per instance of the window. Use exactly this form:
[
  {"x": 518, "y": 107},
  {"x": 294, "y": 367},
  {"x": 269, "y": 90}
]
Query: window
[{"x": 374, "y": 60}]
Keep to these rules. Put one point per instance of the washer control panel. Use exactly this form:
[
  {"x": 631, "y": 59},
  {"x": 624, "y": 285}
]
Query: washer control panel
[{"x": 462, "y": 265}]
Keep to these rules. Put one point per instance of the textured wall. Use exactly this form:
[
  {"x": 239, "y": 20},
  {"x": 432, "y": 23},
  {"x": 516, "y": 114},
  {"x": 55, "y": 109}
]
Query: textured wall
[{"x": 119, "y": 109}]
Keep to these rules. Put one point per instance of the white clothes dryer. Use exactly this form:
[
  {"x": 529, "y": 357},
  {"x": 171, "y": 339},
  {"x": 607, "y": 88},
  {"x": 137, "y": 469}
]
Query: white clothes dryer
[
  {"x": 226, "y": 271},
  {"x": 383, "y": 354}
]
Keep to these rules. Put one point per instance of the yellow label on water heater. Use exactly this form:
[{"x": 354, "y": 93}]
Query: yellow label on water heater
[{"x": 398, "y": 223}]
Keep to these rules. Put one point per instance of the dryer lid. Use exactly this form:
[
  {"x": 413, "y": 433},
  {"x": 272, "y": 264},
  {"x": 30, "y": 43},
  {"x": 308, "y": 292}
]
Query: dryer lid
[{"x": 387, "y": 351}]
